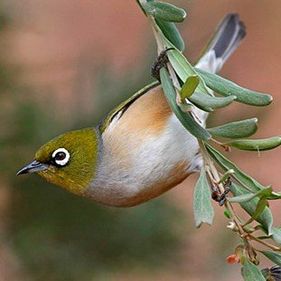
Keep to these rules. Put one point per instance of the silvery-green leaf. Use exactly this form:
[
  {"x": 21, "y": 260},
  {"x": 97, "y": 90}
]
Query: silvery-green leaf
[
  {"x": 264, "y": 193},
  {"x": 262, "y": 204},
  {"x": 164, "y": 11},
  {"x": 184, "y": 69},
  {"x": 251, "y": 272},
  {"x": 185, "y": 118},
  {"x": 240, "y": 176},
  {"x": 256, "y": 145},
  {"x": 202, "y": 105},
  {"x": 207, "y": 101},
  {"x": 237, "y": 129},
  {"x": 265, "y": 218},
  {"x": 242, "y": 198},
  {"x": 276, "y": 235},
  {"x": 273, "y": 256},
  {"x": 202, "y": 206},
  {"x": 226, "y": 87},
  {"x": 171, "y": 32}
]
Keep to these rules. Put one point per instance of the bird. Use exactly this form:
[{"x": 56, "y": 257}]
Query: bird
[{"x": 140, "y": 149}]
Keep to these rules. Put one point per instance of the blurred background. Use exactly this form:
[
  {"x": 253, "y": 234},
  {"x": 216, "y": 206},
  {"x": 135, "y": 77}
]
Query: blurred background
[{"x": 63, "y": 65}]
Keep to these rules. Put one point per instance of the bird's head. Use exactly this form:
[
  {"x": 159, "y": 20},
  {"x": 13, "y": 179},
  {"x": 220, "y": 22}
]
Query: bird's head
[{"x": 68, "y": 160}]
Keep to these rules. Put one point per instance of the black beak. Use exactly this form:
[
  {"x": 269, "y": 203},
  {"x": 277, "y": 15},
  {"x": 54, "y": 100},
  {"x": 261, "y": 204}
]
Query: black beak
[{"x": 33, "y": 167}]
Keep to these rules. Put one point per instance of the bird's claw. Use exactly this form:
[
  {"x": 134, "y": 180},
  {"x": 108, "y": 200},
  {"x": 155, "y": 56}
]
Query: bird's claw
[
  {"x": 220, "y": 198},
  {"x": 160, "y": 62}
]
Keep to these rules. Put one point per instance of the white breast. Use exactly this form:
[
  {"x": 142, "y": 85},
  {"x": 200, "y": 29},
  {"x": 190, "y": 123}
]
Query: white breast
[{"x": 132, "y": 168}]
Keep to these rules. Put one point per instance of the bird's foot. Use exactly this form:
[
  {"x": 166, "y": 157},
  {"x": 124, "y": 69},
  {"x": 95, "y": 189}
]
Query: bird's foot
[
  {"x": 160, "y": 62},
  {"x": 221, "y": 197}
]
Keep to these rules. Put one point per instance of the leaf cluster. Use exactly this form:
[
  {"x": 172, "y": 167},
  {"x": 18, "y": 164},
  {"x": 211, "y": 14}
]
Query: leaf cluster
[{"x": 186, "y": 88}]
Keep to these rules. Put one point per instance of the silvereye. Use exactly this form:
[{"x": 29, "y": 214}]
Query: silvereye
[{"x": 140, "y": 150}]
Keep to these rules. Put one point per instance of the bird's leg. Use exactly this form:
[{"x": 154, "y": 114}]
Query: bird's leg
[
  {"x": 220, "y": 198},
  {"x": 160, "y": 62}
]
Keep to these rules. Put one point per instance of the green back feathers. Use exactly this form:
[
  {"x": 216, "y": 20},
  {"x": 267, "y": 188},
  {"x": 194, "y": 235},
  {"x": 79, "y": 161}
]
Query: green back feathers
[{"x": 77, "y": 173}]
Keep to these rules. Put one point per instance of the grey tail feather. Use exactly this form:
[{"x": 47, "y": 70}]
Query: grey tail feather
[{"x": 227, "y": 37}]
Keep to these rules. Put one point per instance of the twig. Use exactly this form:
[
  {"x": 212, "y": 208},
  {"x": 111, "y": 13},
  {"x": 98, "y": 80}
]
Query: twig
[{"x": 272, "y": 247}]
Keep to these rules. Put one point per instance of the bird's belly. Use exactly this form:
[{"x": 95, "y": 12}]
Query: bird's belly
[{"x": 146, "y": 167}]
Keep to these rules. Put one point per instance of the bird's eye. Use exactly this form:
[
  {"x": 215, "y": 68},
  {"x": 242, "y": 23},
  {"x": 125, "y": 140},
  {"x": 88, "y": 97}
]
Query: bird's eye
[{"x": 61, "y": 156}]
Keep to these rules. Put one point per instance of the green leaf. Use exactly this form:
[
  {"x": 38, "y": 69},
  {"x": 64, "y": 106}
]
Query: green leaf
[
  {"x": 164, "y": 11},
  {"x": 251, "y": 272},
  {"x": 264, "y": 193},
  {"x": 207, "y": 101},
  {"x": 203, "y": 106},
  {"x": 171, "y": 32},
  {"x": 262, "y": 204},
  {"x": 189, "y": 86},
  {"x": 225, "y": 87},
  {"x": 240, "y": 176},
  {"x": 242, "y": 198},
  {"x": 276, "y": 235},
  {"x": 237, "y": 129},
  {"x": 184, "y": 69},
  {"x": 202, "y": 206},
  {"x": 265, "y": 218},
  {"x": 185, "y": 118},
  {"x": 256, "y": 145},
  {"x": 274, "y": 257}
]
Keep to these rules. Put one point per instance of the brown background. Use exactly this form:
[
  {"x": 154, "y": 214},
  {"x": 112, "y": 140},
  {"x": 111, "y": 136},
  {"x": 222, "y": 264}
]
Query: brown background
[{"x": 51, "y": 41}]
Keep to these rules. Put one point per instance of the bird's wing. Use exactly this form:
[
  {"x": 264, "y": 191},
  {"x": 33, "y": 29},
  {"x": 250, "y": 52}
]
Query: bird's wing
[{"x": 121, "y": 108}]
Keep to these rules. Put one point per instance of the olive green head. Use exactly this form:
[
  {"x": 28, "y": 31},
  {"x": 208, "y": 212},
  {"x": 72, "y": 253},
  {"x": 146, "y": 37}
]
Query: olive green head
[{"x": 68, "y": 160}]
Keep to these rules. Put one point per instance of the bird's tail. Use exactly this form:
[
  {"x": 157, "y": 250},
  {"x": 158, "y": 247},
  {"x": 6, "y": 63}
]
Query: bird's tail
[{"x": 224, "y": 42}]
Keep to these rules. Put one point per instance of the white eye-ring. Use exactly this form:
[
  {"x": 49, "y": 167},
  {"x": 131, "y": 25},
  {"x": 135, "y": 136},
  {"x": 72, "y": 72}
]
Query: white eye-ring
[{"x": 61, "y": 156}]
